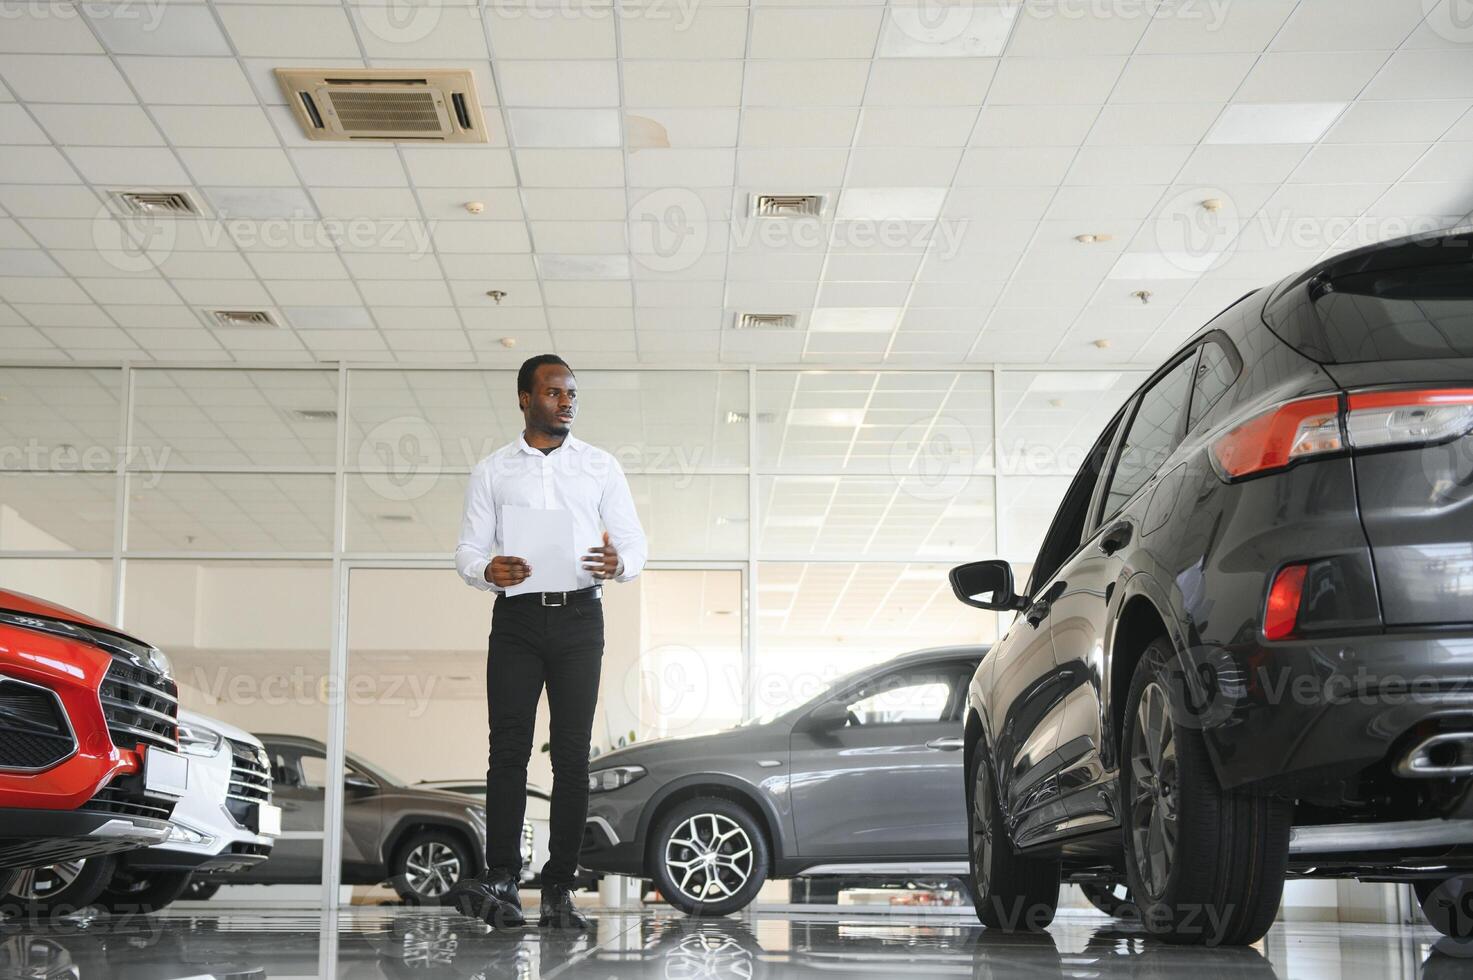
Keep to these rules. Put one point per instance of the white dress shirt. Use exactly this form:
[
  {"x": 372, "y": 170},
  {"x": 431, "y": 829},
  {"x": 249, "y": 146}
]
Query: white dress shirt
[{"x": 576, "y": 477}]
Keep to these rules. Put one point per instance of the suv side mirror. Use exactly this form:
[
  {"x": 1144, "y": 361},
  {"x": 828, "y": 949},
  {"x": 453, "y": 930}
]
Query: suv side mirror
[
  {"x": 830, "y": 714},
  {"x": 359, "y": 783},
  {"x": 986, "y": 585}
]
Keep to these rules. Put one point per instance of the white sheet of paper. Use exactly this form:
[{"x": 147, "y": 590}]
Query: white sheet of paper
[{"x": 544, "y": 539}]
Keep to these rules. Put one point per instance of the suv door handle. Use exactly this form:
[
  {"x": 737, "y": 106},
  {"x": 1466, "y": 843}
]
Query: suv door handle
[
  {"x": 1116, "y": 536},
  {"x": 949, "y": 743},
  {"x": 1037, "y": 612}
]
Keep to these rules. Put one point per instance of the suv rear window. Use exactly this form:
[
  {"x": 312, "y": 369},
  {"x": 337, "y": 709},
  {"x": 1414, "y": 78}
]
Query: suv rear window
[{"x": 1418, "y": 313}]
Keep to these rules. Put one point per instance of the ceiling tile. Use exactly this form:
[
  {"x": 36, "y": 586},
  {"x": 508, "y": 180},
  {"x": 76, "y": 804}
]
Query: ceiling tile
[
  {"x": 700, "y": 31},
  {"x": 1032, "y": 81},
  {"x": 519, "y": 32},
  {"x": 167, "y": 30},
  {"x": 46, "y": 28},
  {"x": 1310, "y": 76},
  {"x": 1182, "y": 78},
  {"x": 1289, "y": 122},
  {"x": 559, "y": 83},
  {"x": 188, "y": 81},
  {"x": 904, "y": 81},
  {"x": 917, "y": 30},
  {"x": 1347, "y": 25},
  {"x": 1196, "y": 29},
  {"x": 796, "y": 83},
  {"x": 141, "y": 166},
  {"x": 682, "y": 83},
  {"x": 82, "y": 79},
  {"x": 289, "y": 32},
  {"x": 814, "y": 126},
  {"x": 793, "y": 32}
]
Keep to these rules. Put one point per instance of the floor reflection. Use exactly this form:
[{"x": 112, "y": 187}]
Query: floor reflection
[{"x": 375, "y": 943}]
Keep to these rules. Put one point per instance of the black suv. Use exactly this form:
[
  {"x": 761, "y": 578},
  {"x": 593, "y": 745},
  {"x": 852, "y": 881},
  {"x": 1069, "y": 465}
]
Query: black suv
[{"x": 1245, "y": 649}]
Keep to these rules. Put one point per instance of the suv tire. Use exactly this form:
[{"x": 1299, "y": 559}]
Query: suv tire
[
  {"x": 428, "y": 863},
  {"x": 1205, "y": 865},
  {"x": 1009, "y": 891},
  {"x": 708, "y": 856},
  {"x": 61, "y": 889}
]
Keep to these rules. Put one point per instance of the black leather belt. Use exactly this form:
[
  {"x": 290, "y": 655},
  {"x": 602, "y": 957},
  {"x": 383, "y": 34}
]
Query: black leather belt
[{"x": 591, "y": 594}]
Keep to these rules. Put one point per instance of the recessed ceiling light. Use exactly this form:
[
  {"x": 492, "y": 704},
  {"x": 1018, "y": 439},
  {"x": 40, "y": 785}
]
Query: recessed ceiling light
[
  {"x": 1163, "y": 265},
  {"x": 315, "y": 414},
  {"x": 845, "y": 418},
  {"x": 854, "y": 319},
  {"x": 475, "y": 207},
  {"x": 1071, "y": 381},
  {"x": 1102, "y": 343},
  {"x": 742, "y": 418},
  {"x": 583, "y": 266},
  {"x": 890, "y": 204},
  {"x": 508, "y": 342},
  {"x": 395, "y": 518},
  {"x": 1303, "y": 122},
  {"x": 566, "y": 127},
  {"x": 1093, "y": 238}
]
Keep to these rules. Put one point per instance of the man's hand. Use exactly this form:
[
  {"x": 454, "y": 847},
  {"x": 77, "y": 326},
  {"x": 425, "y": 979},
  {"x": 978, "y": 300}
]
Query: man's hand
[
  {"x": 504, "y": 571},
  {"x": 603, "y": 562}
]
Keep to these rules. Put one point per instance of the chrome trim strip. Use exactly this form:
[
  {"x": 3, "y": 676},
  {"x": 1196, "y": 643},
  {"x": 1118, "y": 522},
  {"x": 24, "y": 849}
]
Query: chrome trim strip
[
  {"x": 127, "y": 830},
  {"x": 899, "y": 868},
  {"x": 1417, "y": 762},
  {"x": 1396, "y": 836},
  {"x": 61, "y": 710},
  {"x": 607, "y": 828},
  {"x": 138, "y": 709}
]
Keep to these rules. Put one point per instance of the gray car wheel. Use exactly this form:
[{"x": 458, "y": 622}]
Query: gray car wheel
[
  {"x": 709, "y": 856},
  {"x": 63, "y": 888},
  {"x": 428, "y": 864}
]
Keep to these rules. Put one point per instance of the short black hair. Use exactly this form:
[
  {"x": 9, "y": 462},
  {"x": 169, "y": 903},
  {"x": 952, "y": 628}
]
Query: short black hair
[{"x": 529, "y": 368}]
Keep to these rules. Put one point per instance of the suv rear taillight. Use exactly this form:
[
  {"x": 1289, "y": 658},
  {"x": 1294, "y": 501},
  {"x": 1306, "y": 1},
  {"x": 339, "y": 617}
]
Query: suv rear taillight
[
  {"x": 1281, "y": 615},
  {"x": 1320, "y": 425},
  {"x": 1278, "y": 437},
  {"x": 1407, "y": 418}
]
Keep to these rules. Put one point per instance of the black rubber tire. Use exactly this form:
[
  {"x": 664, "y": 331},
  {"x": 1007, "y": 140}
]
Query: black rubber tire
[
  {"x": 200, "y": 890},
  {"x": 1103, "y": 896},
  {"x": 1009, "y": 891},
  {"x": 143, "y": 891},
  {"x": 660, "y": 846},
  {"x": 399, "y": 871},
  {"x": 1446, "y": 902},
  {"x": 79, "y": 893},
  {"x": 1224, "y": 876}
]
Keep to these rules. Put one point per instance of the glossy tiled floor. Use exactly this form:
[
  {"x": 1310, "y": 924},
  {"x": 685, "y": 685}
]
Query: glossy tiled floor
[{"x": 375, "y": 943}]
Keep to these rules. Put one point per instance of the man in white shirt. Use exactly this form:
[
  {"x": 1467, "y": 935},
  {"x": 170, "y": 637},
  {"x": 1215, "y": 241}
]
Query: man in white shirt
[{"x": 542, "y": 638}]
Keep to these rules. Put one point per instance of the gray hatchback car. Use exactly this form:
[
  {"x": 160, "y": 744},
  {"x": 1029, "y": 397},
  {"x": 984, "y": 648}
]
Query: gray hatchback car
[{"x": 864, "y": 780}]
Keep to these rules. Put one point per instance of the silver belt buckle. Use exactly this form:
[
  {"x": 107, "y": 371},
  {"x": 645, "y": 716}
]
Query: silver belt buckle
[{"x": 562, "y": 597}]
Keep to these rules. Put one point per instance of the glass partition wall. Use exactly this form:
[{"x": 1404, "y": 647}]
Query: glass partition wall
[{"x": 286, "y": 533}]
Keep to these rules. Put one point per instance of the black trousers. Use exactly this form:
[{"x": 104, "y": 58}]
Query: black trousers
[{"x": 532, "y": 646}]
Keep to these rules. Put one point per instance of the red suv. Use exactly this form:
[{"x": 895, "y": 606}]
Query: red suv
[{"x": 89, "y": 761}]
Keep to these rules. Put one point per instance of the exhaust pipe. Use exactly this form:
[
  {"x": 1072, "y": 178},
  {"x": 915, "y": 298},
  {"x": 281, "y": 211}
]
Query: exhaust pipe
[{"x": 1439, "y": 756}]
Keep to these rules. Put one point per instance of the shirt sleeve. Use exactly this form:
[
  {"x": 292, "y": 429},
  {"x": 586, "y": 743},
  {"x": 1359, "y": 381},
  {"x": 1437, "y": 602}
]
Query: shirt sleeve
[
  {"x": 621, "y": 520},
  {"x": 477, "y": 531}
]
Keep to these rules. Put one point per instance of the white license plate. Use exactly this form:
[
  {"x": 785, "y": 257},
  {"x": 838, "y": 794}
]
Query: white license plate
[
  {"x": 269, "y": 820},
  {"x": 165, "y": 773}
]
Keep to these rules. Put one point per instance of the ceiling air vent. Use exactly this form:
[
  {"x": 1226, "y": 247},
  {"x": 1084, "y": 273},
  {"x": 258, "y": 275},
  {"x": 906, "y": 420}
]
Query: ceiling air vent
[
  {"x": 437, "y": 105},
  {"x": 786, "y": 205},
  {"x": 235, "y": 319},
  {"x": 155, "y": 203},
  {"x": 315, "y": 414},
  {"x": 766, "y": 321}
]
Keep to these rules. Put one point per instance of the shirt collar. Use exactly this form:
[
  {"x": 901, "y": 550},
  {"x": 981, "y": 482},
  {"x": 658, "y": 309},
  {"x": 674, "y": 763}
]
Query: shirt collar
[{"x": 571, "y": 443}]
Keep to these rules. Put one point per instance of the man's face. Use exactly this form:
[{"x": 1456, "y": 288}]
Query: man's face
[{"x": 552, "y": 404}]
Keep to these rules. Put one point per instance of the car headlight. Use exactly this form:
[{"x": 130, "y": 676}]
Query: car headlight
[
  {"x": 603, "y": 780},
  {"x": 198, "y": 740}
]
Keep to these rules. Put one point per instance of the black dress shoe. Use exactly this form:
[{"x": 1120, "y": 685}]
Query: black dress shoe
[
  {"x": 492, "y": 898},
  {"x": 558, "y": 910}
]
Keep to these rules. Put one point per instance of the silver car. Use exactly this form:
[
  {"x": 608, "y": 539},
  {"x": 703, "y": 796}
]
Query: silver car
[{"x": 863, "y": 780}]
